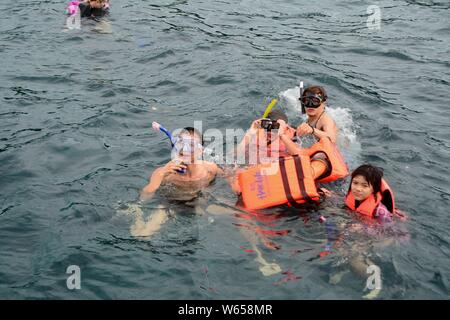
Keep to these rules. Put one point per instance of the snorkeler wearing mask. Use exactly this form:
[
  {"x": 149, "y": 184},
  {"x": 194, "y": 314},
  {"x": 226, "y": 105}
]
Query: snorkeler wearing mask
[
  {"x": 261, "y": 143},
  {"x": 186, "y": 171},
  {"x": 319, "y": 124},
  {"x": 182, "y": 179}
]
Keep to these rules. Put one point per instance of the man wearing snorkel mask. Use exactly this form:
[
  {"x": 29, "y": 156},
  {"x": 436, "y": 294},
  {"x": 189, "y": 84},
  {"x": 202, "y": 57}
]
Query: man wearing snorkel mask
[
  {"x": 319, "y": 124},
  {"x": 182, "y": 179},
  {"x": 186, "y": 172}
]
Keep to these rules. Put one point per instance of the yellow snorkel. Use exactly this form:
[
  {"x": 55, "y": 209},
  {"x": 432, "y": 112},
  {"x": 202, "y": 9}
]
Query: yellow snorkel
[{"x": 269, "y": 108}]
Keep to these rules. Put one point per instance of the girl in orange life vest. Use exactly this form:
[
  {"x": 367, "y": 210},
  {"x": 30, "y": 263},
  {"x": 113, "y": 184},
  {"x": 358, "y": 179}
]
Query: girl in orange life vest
[{"x": 369, "y": 195}]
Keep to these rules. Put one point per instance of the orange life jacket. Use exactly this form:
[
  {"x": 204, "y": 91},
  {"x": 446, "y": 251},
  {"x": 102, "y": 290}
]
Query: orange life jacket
[
  {"x": 338, "y": 168},
  {"x": 367, "y": 207},
  {"x": 289, "y": 180}
]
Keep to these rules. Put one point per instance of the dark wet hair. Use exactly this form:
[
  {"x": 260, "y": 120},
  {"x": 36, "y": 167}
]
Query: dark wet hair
[
  {"x": 372, "y": 174},
  {"x": 316, "y": 90},
  {"x": 278, "y": 115},
  {"x": 193, "y": 131}
]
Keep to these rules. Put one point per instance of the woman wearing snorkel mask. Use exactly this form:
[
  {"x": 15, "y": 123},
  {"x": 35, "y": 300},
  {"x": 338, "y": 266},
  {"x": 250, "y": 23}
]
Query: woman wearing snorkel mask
[
  {"x": 261, "y": 143},
  {"x": 319, "y": 124}
]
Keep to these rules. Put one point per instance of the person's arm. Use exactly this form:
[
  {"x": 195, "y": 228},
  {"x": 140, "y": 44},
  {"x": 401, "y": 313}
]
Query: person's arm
[
  {"x": 214, "y": 168},
  {"x": 158, "y": 177},
  {"x": 329, "y": 129},
  {"x": 234, "y": 183},
  {"x": 243, "y": 145},
  {"x": 219, "y": 171},
  {"x": 291, "y": 146}
]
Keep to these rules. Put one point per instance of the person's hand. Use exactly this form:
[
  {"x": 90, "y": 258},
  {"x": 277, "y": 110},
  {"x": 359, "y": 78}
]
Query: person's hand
[
  {"x": 173, "y": 166},
  {"x": 254, "y": 127},
  {"x": 304, "y": 129},
  {"x": 401, "y": 214},
  {"x": 283, "y": 127},
  {"x": 326, "y": 192}
]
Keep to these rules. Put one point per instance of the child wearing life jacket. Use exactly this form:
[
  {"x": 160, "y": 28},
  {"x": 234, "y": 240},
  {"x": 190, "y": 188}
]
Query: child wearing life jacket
[{"x": 370, "y": 195}]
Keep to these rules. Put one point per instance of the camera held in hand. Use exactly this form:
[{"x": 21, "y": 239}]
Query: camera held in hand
[{"x": 269, "y": 124}]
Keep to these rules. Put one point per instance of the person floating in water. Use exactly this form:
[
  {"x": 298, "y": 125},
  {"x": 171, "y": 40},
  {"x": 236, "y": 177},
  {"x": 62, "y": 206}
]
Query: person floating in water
[
  {"x": 319, "y": 125},
  {"x": 94, "y": 8},
  {"x": 89, "y": 8},
  {"x": 182, "y": 179},
  {"x": 370, "y": 195},
  {"x": 371, "y": 198},
  {"x": 261, "y": 142}
]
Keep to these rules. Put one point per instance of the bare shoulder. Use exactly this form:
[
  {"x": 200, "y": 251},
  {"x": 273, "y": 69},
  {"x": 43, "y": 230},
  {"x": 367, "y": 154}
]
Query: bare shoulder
[
  {"x": 211, "y": 166},
  {"x": 328, "y": 119},
  {"x": 327, "y": 122}
]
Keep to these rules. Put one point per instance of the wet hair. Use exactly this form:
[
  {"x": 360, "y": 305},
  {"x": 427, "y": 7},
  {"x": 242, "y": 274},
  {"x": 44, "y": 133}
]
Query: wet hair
[
  {"x": 278, "y": 114},
  {"x": 372, "y": 174},
  {"x": 192, "y": 131},
  {"x": 316, "y": 90},
  {"x": 101, "y": 1}
]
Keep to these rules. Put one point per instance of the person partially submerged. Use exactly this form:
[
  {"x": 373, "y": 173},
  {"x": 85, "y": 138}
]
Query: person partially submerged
[
  {"x": 186, "y": 175},
  {"x": 261, "y": 143},
  {"x": 371, "y": 198},
  {"x": 94, "y": 8},
  {"x": 319, "y": 123},
  {"x": 181, "y": 179}
]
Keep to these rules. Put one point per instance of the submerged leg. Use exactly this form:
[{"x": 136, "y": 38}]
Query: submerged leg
[
  {"x": 149, "y": 227},
  {"x": 266, "y": 268},
  {"x": 253, "y": 237},
  {"x": 142, "y": 228},
  {"x": 360, "y": 265}
]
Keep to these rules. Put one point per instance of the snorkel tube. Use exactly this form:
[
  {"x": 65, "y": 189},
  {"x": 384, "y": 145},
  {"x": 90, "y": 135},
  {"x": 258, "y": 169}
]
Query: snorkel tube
[
  {"x": 269, "y": 108},
  {"x": 301, "y": 94},
  {"x": 157, "y": 127}
]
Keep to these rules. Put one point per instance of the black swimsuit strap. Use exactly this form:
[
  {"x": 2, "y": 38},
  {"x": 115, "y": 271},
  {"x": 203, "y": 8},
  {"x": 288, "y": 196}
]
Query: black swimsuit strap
[{"x": 315, "y": 124}]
